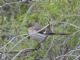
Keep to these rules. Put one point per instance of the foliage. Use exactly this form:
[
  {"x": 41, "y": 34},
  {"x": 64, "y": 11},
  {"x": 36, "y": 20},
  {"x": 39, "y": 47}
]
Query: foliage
[{"x": 65, "y": 16}]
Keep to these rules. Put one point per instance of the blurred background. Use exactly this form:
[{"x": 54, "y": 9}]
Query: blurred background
[{"x": 64, "y": 16}]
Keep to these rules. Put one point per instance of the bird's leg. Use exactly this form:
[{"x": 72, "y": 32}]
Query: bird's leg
[{"x": 40, "y": 45}]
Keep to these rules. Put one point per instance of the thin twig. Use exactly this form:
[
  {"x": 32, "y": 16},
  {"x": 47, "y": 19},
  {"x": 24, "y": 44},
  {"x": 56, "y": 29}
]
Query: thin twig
[
  {"x": 21, "y": 51},
  {"x": 64, "y": 56}
]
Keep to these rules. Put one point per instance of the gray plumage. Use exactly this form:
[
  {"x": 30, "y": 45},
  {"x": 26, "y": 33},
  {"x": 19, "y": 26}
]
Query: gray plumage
[{"x": 35, "y": 34}]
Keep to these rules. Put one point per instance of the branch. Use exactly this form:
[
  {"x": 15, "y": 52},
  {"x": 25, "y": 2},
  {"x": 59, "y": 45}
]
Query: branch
[
  {"x": 22, "y": 51},
  {"x": 64, "y": 56}
]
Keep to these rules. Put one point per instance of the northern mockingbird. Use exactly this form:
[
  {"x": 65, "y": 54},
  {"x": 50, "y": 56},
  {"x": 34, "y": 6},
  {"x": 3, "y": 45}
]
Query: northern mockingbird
[{"x": 39, "y": 33}]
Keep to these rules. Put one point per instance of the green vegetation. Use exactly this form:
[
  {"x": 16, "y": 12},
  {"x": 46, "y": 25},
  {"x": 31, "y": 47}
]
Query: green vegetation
[{"x": 65, "y": 16}]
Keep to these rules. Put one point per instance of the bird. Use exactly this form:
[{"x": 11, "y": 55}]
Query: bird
[{"x": 39, "y": 33}]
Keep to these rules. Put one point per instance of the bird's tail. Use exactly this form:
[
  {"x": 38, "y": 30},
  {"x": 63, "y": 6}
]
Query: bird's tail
[{"x": 58, "y": 34}]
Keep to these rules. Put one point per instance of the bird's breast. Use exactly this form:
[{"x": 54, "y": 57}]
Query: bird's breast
[{"x": 36, "y": 36}]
